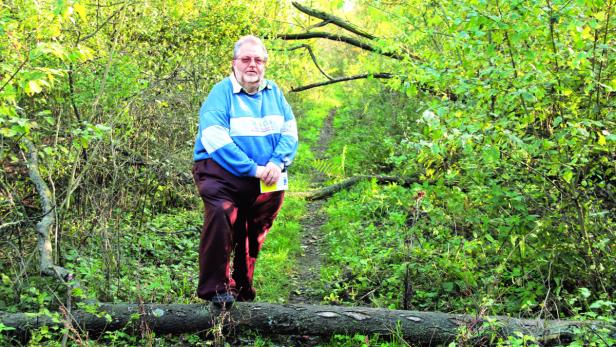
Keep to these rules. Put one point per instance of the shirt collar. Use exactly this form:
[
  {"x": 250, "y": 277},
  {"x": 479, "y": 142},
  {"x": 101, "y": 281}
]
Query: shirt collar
[{"x": 237, "y": 87}]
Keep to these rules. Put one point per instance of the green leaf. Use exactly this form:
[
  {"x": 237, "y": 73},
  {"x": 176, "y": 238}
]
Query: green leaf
[
  {"x": 567, "y": 176},
  {"x": 81, "y": 11},
  {"x": 33, "y": 87},
  {"x": 5, "y": 328},
  {"x": 601, "y": 139},
  {"x": 491, "y": 154}
]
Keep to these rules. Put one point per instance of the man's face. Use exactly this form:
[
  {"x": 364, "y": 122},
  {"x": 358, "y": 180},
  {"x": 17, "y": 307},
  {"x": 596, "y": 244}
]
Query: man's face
[{"x": 249, "y": 66}]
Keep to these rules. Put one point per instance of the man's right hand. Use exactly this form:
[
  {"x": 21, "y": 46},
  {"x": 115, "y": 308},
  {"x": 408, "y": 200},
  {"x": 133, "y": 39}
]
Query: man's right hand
[{"x": 269, "y": 174}]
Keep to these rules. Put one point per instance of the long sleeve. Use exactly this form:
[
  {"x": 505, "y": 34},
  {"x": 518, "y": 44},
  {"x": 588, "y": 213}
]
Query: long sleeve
[
  {"x": 214, "y": 126},
  {"x": 287, "y": 145}
]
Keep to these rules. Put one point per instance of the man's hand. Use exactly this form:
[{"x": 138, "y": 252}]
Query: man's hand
[{"x": 269, "y": 173}]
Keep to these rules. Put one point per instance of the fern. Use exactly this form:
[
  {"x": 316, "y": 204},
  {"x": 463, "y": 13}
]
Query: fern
[{"x": 327, "y": 168}]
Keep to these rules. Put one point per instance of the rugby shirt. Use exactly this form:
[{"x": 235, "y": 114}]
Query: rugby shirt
[{"x": 240, "y": 131}]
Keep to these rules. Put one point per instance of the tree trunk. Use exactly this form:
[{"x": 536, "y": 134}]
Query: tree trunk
[
  {"x": 425, "y": 328},
  {"x": 44, "y": 226}
]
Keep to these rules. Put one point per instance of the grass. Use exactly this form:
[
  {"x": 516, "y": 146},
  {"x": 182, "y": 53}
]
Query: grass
[{"x": 278, "y": 256}]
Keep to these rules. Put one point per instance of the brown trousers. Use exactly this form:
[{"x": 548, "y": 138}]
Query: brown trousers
[{"x": 236, "y": 221}]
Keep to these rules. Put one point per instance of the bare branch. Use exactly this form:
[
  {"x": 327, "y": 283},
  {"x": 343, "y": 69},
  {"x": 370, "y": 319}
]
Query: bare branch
[
  {"x": 385, "y": 75},
  {"x": 351, "y": 41},
  {"x": 87, "y": 37},
  {"x": 328, "y": 18},
  {"x": 314, "y": 58},
  {"x": 14, "y": 73},
  {"x": 319, "y": 24},
  {"x": 341, "y": 79}
]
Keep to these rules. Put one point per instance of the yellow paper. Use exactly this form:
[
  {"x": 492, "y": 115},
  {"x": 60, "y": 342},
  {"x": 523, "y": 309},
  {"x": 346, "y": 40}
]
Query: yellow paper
[{"x": 282, "y": 184}]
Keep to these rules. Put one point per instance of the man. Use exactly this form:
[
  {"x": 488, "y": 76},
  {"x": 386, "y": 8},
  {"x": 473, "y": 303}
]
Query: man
[{"x": 247, "y": 133}]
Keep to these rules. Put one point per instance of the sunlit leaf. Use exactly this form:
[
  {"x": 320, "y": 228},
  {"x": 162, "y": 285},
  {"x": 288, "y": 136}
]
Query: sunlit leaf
[
  {"x": 81, "y": 10},
  {"x": 33, "y": 87}
]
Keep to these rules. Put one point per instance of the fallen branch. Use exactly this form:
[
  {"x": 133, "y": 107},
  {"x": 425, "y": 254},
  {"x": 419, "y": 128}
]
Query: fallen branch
[
  {"x": 331, "y": 190},
  {"x": 351, "y": 41},
  {"x": 328, "y": 18},
  {"x": 341, "y": 79},
  {"x": 425, "y": 328}
]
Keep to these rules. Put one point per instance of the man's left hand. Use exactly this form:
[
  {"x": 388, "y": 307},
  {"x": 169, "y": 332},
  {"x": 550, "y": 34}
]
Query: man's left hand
[{"x": 271, "y": 174}]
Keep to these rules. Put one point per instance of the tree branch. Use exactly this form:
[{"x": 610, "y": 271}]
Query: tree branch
[
  {"x": 44, "y": 226},
  {"x": 328, "y": 191},
  {"x": 349, "y": 40},
  {"x": 71, "y": 88},
  {"x": 98, "y": 28},
  {"x": 318, "y": 25},
  {"x": 328, "y": 18},
  {"x": 385, "y": 75},
  {"x": 15, "y": 73},
  {"x": 314, "y": 58},
  {"x": 341, "y": 79}
]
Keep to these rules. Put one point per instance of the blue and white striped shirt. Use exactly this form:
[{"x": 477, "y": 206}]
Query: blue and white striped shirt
[{"x": 240, "y": 131}]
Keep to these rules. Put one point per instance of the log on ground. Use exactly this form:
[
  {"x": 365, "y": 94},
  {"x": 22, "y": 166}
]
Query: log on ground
[
  {"x": 425, "y": 328},
  {"x": 328, "y": 191}
]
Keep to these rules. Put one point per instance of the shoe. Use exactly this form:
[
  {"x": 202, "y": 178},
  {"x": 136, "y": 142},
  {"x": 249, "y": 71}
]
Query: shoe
[
  {"x": 246, "y": 295},
  {"x": 223, "y": 300}
]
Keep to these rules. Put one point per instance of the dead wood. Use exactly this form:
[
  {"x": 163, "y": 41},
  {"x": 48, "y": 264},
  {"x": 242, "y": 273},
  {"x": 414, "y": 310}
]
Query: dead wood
[
  {"x": 328, "y": 191},
  {"x": 425, "y": 328},
  {"x": 341, "y": 38},
  {"x": 328, "y": 18}
]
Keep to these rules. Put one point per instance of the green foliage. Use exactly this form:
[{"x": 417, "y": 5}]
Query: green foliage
[
  {"x": 311, "y": 113},
  {"x": 360, "y": 340},
  {"x": 278, "y": 257},
  {"x": 506, "y": 119}
]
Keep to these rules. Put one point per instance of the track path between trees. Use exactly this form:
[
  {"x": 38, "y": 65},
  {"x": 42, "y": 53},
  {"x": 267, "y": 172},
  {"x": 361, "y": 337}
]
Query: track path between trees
[{"x": 307, "y": 277}]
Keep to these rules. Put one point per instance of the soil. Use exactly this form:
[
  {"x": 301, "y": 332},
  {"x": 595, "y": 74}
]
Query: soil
[{"x": 307, "y": 277}]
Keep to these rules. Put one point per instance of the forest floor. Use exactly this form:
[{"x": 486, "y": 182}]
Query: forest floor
[{"x": 307, "y": 277}]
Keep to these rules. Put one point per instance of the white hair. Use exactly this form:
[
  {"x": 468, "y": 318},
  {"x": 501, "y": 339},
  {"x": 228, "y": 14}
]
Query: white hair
[{"x": 248, "y": 38}]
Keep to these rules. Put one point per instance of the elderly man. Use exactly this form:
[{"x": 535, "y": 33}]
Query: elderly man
[{"x": 247, "y": 133}]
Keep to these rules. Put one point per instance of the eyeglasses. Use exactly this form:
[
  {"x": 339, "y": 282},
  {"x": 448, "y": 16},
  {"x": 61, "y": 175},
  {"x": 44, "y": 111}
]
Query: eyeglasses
[{"x": 246, "y": 60}]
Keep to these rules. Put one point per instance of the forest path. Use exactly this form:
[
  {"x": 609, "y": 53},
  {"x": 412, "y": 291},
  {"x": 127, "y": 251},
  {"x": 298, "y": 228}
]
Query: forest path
[{"x": 307, "y": 278}]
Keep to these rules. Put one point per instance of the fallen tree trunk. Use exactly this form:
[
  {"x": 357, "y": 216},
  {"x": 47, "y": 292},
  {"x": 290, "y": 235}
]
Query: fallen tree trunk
[
  {"x": 425, "y": 328},
  {"x": 328, "y": 191}
]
